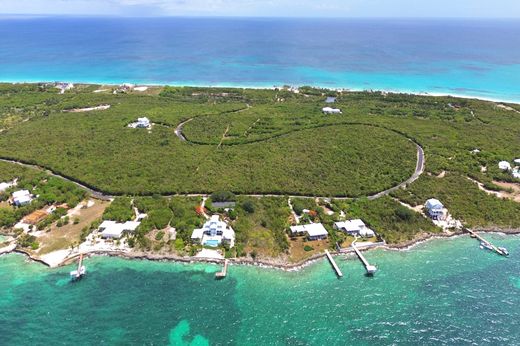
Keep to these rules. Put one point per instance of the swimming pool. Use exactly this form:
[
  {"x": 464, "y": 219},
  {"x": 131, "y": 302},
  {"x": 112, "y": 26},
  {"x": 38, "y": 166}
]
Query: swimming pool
[{"x": 211, "y": 242}]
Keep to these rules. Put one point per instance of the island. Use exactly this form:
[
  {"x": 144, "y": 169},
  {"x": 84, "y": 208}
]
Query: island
[{"x": 276, "y": 176}]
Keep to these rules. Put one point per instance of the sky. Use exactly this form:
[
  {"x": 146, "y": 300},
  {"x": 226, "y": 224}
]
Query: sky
[{"x": 269, "y": 8}]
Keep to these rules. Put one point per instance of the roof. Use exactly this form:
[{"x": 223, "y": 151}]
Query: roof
[
  {"x": 197, "y": 233},
  {"x": 21, "y": 193},
  {"x": 504, "y": 165},
  {"x": 107, "y": 223},
  {"x": 331, "y": 110},
  {"x": 5, "y": 186},
  {"x": 223, "y": 204},
  {"x": 228, "y": 233},
  {"x": 330, "y": 99},
  {"x": 433, "y": 203},
  {"x": 131, "y": 225},
  {"x": 313, "y": 229},
  {"x": 366, "y": 232},
  {"x": 297, "y": 229},
  {"x": 351, "y": 225},
  {"x": 115, "y": 229}
]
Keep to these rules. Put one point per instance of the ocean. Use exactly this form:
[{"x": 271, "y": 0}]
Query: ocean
[
  {"x": 476, "y": 58},
  {"x": 445, "y": 291}
]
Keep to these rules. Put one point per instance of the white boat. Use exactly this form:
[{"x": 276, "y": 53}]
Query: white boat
[
  {"x": 484, "y": 245},
  {"x": 504, "y": 251}
]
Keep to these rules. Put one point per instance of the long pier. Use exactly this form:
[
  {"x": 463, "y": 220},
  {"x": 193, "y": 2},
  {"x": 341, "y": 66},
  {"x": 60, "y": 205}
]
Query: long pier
[
  {"x": 78, "y": 273},
  {"x": 371, "y": 269},
  {"x": 333, "y": 263},
  {"x": 222, "y": 274},
  {"x": 500, "y": 251}
]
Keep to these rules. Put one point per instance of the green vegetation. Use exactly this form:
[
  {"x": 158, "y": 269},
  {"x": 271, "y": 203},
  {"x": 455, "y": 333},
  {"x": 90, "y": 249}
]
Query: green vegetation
[
  {"x": 119, "y": 210},
  {"x": 303, "y": 152},
  {"x": 242, "y": 141},
  {"x": 263, "y": 229}
]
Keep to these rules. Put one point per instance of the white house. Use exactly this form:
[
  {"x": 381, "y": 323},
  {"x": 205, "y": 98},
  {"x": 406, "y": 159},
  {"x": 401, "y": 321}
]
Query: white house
[
  {"x": 21, "y": 197},
  {"x": 64, "y": 87},
  {"x": 5, "y": 186},
  {"x": 314, "y": 231},
  {"x": 330, "y": 99},
  {"x": 213, "y": 233},
  {"x": 504, "y": 165},
  {"x": 330, "y": 110},
  {"x": 354, "y": 227},
  {"x": 114, "y": 230},
  {"x": 143, "y": 122},
  {"x": 435, "y": 209}
]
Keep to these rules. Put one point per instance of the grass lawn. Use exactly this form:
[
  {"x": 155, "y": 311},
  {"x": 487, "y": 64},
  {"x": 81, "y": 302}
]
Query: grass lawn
[{"x": 297, "y": 251}]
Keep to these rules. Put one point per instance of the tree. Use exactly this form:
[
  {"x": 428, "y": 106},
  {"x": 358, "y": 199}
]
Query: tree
[{"x": 248, "y": 206}]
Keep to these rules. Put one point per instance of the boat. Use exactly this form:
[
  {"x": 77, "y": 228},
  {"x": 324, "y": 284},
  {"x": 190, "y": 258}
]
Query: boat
[
  {"x": 503, "y": 250},
  {"x": 484, "y": 245}
]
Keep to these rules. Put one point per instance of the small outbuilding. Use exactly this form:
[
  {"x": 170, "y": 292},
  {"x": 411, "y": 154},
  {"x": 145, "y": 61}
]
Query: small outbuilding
[
  {"x": 330, "y": 110},
  {"x": 143, "y": 123},
  {"x": 4, "y": 186},
  {"x": 223, "y": 205},
  {"x": 435, "y": 209},
  {"x": 504, "y": 165}
]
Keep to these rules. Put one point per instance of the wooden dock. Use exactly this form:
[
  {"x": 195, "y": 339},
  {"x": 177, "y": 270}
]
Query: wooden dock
[
  {"x": 333, "y": 263},
  {"x": 499, "y": 251},
  {"x": 371, "y": 269},
  {"x": 222, "y": 274}
]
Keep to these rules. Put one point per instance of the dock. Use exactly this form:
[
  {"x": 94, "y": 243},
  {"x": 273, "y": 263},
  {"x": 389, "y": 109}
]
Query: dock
[
  {"x": 371, "y": 269},
  {"x": 499, "y": 250},
  {"x": 333, "y": 263},
  {"x": 78, "y": 274},
  {"x": 222, "y": 274}
]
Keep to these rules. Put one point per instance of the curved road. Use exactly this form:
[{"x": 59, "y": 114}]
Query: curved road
[{"x": 419, "y": 169}]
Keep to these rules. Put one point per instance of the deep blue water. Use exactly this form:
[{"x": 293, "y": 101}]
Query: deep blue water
[{"x": 465, "y": 57}]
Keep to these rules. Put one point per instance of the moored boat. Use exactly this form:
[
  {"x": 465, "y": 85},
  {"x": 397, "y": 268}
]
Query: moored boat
[{"x": 504, "y": 251}]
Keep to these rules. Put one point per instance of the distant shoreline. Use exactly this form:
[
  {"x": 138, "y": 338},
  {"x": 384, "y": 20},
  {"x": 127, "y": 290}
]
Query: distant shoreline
[{"x": 270, "y": 86}]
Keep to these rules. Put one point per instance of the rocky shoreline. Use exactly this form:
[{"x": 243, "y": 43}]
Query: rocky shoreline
[{"x": 274, "y": 263}]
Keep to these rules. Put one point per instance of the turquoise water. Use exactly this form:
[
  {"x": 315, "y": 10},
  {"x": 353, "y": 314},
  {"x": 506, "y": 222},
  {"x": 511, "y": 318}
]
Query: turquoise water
[
  {"x": 212, "y": 243},
  {"x": 444, "y": 291},
  {"x": 478, "y": 58}
]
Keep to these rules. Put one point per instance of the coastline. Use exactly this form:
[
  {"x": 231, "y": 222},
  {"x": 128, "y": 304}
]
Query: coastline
[
  {"x": 274, "y": 85},
  {"x": 273, "y": 263}
]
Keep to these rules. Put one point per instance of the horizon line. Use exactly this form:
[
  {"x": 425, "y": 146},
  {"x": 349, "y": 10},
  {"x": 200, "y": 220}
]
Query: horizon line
[{"x": 72, "y": 15}]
